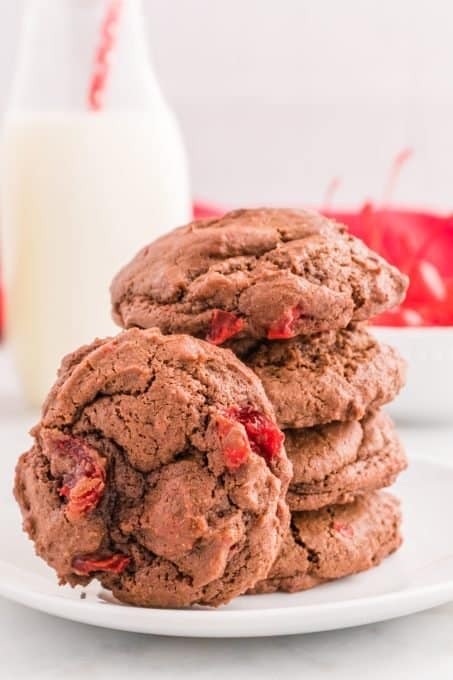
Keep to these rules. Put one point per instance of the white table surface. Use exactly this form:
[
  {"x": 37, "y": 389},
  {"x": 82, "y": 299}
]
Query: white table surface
[{"x": 38, "y": 646}]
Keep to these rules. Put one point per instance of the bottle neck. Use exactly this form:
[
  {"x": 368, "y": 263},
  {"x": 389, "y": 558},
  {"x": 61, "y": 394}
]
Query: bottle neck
[{"x": 58, "y": 57}]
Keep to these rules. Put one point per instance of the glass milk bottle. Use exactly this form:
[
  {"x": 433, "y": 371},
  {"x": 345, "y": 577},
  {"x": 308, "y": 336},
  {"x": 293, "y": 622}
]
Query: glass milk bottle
[{"x": 93, "y": 168}]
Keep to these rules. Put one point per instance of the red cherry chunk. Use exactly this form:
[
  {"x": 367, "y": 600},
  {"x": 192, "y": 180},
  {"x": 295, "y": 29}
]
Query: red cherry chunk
[
  {"x": 345, "y": 530},
  {"x": 83, "y": 496},
  {"x": 235, "y": 443},
  {"x": 263, "y": 435},
  {"x": 84, "y": 486},
  {"x": 224, "y": 325},
  {"x": 283, "y": 328},
  {"x": 113, "y": 564}
]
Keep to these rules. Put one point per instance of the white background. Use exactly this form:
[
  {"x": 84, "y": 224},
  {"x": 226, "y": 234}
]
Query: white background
[{"x": 277, "y": 97}]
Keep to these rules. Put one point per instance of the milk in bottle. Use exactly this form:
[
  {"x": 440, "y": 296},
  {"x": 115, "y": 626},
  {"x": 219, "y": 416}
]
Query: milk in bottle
[{"x": 93, "y": 168}]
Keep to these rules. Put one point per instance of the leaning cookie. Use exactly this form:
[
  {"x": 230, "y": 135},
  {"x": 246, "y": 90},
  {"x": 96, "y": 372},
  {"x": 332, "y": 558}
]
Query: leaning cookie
[
  {"x": 341, "y": 540},
  {"x": 334, "y": 463},
  {"x": 158, "y": 469},
  {"x": 330, "y": 376},
  {"x": 255, "y": 274}
]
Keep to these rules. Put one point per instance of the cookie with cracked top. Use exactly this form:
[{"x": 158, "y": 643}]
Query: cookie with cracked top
[
  {"x": 334, "y": 463},
  {"x": 158, "y": 469},
  {"x": 255, "y": 274},
  {"x": 329, "y": 376},
  {"x": 337, "y": 541}
]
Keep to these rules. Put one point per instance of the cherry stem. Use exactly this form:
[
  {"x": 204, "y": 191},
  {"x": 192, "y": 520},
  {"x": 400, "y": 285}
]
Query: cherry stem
[
  {"x": 395, "y": 170},
  {"x": 331, "y": 190}
]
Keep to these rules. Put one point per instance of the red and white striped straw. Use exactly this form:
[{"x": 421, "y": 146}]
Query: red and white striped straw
[{"x": 101, "y": 67}]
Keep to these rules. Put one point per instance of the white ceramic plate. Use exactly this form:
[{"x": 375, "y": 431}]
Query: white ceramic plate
[{"x": 418, "y": 577}]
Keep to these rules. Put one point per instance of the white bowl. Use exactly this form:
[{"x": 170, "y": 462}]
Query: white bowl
[{"x": 428, "y": 395}]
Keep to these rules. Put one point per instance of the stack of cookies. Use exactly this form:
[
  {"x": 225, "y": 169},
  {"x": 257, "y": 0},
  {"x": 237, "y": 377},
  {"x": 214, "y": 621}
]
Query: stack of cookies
[
  {"x": 159, "y": 465},
  {"x": 289, "y": 292}
]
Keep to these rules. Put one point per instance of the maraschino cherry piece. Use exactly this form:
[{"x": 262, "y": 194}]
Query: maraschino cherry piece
[
  {"x": 264, "y": 436},
  {"x": 283, "y": 328},
  {"x": 235, "y": 443},
  {"x": 86, "y": 564},
  {"x": 223, "y": 326},
  {"x": 84, "y": 487}
]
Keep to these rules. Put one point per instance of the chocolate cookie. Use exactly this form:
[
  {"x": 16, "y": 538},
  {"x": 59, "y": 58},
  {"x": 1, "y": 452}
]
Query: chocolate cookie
[
  {"x": 330, "y": 376},
  {"x": 337, "y": 541},
  {"x": 255, "y": 274},
  {"x": 158, "y": 469},
  {"x": 334, "y": 463}
]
